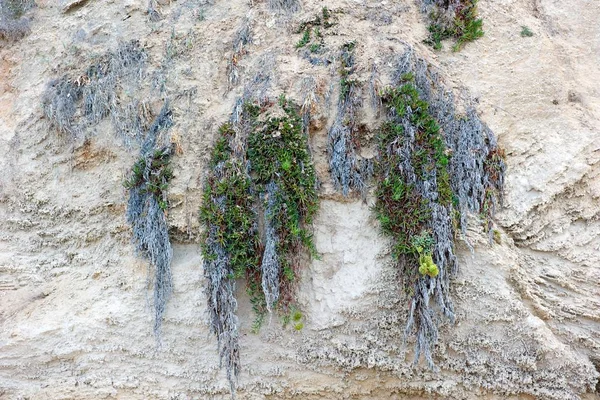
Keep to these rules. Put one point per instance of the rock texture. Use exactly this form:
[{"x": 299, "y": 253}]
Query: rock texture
[{"x": 76, "y": 302}]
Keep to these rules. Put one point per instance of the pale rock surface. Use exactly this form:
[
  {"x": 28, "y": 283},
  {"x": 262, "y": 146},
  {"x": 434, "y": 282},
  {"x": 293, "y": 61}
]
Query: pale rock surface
[{"x": 75, "y": 301}]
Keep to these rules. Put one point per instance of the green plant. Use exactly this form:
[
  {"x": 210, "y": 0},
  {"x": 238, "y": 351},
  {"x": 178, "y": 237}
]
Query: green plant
[
  {"x": 497, "y": 236},
  {"x": 309, "y": 27},
  {"x": 468, "y": 26},
  {"x": 526, "y": 32},
  {"x": 435, "y": 166},
  {"x": 146, "y": 210},
  {"x": 230, "y": 246},
  {"x": 437, "y": 33},
  {"x": 269, "y": 181},
  {"x": 152, "y": 173},
  {"x": 278, "y": 155},
  {"x": 462, "y": 24},
  {"x": 413, "y": 191},
  {"x": 305, "y": 38}
]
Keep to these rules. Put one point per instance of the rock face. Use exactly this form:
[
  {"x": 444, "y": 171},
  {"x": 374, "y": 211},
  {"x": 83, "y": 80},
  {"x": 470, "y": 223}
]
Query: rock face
[{"x": 76, "y": 318}]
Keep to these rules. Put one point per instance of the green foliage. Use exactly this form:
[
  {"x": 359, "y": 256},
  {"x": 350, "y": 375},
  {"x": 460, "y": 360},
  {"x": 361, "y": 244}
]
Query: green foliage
[
  {"x": 315, "y": 47},
  {"x": 326, "y": 13},
  {"x": 346, "y": 85},
  {"x": 236, "y": 195},
  {"x": 305, "y": 38},
  {"x": 468, "y": 26},
  {"x": 403, "y": 213},
  {"x": 232, "y": 214},
  {"x": 322, "y": 20},
  {"x": 152, "y": 174},
  {"x": 278, "y": 152},
  {"x": 464, "y": 25},
  {"x": 437, "y": 33},
  {"x": 526, "y": 32},
  {"x": 431, "y": 153}
]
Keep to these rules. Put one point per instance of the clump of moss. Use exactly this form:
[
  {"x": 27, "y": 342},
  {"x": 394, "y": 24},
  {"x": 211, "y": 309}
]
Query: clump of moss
[{"x": 455, "y": 19}]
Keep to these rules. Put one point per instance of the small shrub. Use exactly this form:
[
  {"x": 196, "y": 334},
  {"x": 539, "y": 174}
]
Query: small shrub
[
  {"x": 526, "y": 32},
  {"x": 468, "y": 27},
  {"x": 453, "y": 20}
]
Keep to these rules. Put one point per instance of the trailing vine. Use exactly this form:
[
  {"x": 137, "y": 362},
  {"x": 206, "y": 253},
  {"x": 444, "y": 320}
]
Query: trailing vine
[
  {"x": 259, "y": 199},
  {"x": 414, "y": 207},
  {"x": 434, "y": 167},
  {"x": 146, "y": 211}
]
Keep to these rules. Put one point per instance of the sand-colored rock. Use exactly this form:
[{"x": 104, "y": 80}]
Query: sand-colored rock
[{"x": 75, "y": 301}]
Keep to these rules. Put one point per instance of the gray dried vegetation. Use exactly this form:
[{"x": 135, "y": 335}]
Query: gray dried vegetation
[
  {"x": 284, "y": 6},
  {"x": 147, "y": 217},
  {"x": 242, "y": 38},
  {"x": 348, "y": 170},
  {"x": 220, "y": 291},
  {"x": 476, "y": 172},
  {"x": 13, "y": 24},
  {"x": 270, "y": 266},
  {"x": 73, "y": 103}
]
